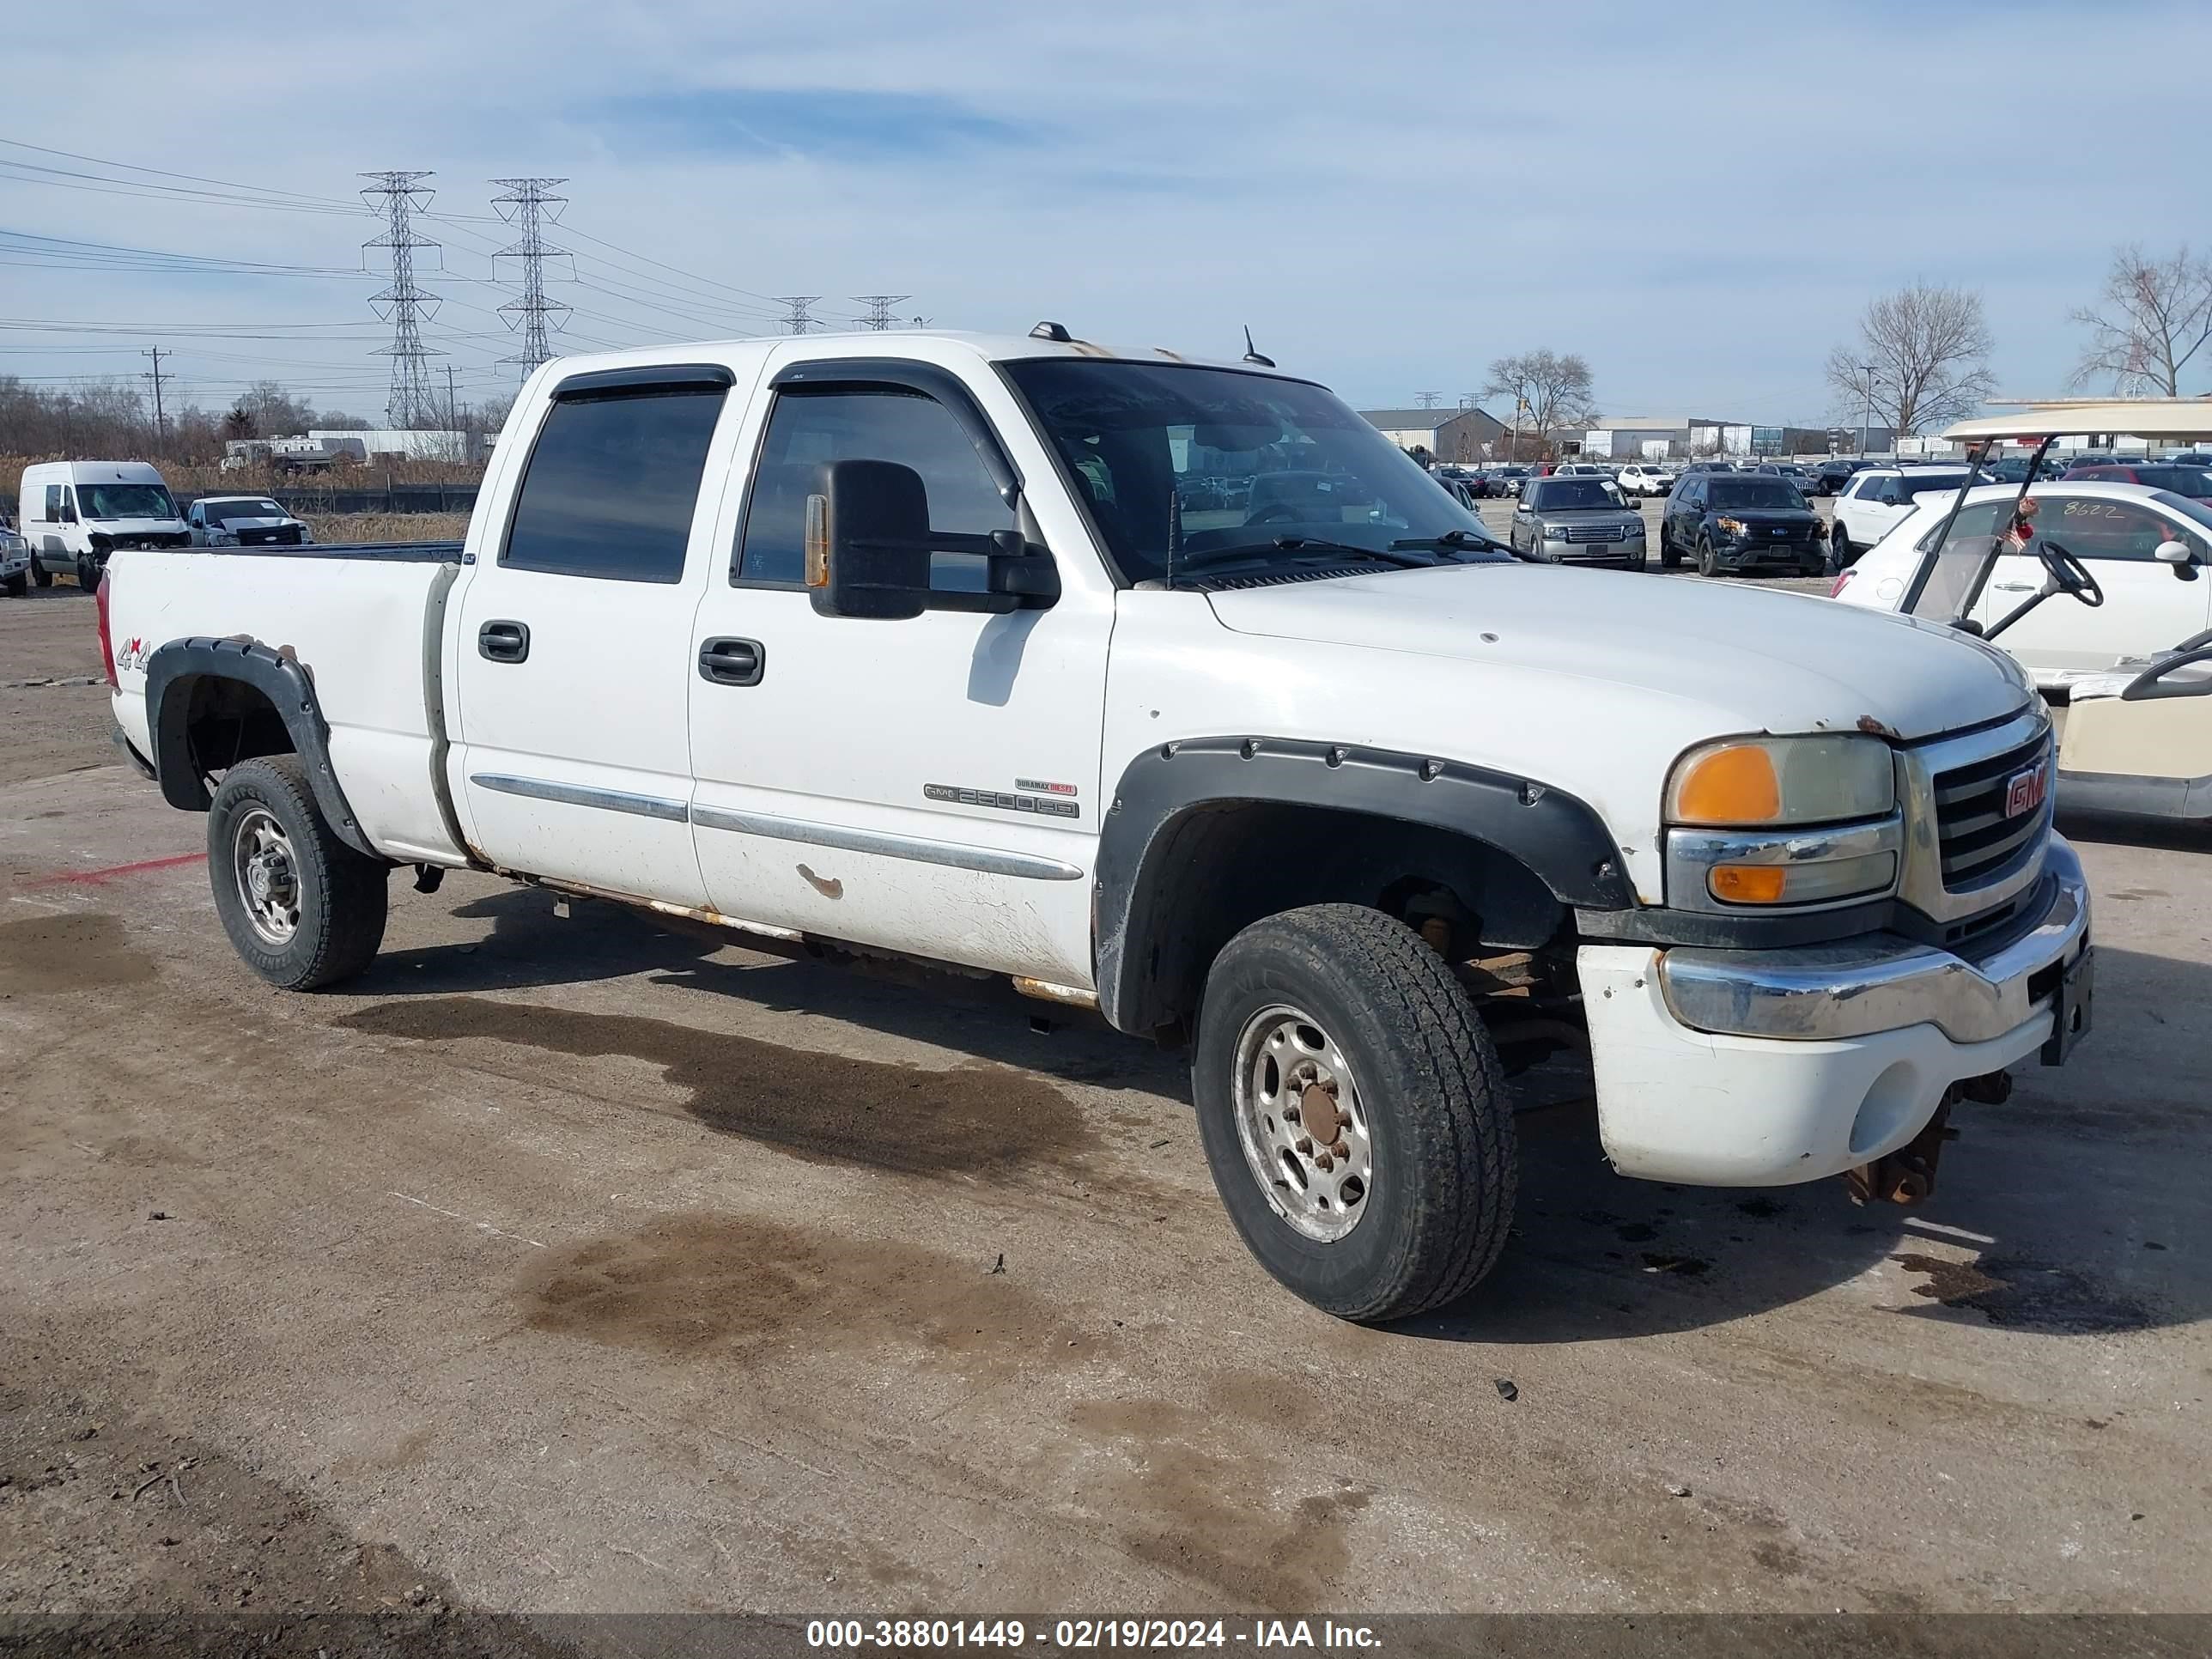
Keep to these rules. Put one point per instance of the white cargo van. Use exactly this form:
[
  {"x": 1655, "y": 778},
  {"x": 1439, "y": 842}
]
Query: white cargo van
[{"x": 74, "y": 513}]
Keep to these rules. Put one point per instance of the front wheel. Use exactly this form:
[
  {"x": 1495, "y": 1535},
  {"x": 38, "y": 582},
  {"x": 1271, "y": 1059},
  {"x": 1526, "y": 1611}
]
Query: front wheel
[
  {"x": 302, "y": 908},
  {"x": 87, "y": 575},
  {"x": 17, "y": 586},
  {"x": 1709, "y": 564},
  {"x": 40, "y": 575},
  {"x": 1353, "y": 1113},
  {"x": 1670, "y": 557}
]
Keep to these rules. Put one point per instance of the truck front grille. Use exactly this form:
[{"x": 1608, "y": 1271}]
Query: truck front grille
[{"x": 1976, "y": 838}]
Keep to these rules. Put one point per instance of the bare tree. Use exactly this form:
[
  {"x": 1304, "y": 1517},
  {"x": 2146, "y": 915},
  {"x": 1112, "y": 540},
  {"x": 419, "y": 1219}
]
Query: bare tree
[
  {"x": 2153, "y": 317},
  {"x": 1922, "y": 358},
  {"x": 1555, "y": 389}
]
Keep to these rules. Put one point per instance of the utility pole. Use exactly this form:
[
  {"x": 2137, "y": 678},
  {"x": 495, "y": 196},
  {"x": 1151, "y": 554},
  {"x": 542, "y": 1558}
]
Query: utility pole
[
  {"x": 1866, "y": 420},
  {"x": 525, "y": 207},
  {"x": 879, "y": 306},
  {"x": 160, "y": 420},
  {"x": 452, "y": 411},
  {"x": 399, "y": 197},
  {"x": 798, "y": 321}
]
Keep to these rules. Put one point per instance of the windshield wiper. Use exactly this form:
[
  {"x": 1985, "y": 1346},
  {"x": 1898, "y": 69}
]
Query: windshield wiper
[
  {"x": 1469, "y": 541},
  {"x": 1306, "y": 547}
]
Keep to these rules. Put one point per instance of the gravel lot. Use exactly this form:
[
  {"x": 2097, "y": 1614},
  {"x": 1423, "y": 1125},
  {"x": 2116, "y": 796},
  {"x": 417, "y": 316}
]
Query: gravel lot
[{"x": 580, "y": 1265}]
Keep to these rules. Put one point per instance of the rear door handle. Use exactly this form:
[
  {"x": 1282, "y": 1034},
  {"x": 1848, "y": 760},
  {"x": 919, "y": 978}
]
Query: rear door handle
[
  {"x": 732, "y": 662},
  {"x": 503, "y": 641}
]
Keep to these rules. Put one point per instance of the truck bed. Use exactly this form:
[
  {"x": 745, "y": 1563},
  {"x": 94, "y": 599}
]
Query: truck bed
[{"x": 363, "y": 619}]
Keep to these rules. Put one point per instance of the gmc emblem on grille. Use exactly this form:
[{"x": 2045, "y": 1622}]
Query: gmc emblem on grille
[{"x": 2024, "y": 791}]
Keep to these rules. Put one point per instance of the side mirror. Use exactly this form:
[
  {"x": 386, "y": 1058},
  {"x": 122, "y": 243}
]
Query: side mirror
[
  {"x": 2180, "y": 556},
  {"x": 868, "y": 542}
]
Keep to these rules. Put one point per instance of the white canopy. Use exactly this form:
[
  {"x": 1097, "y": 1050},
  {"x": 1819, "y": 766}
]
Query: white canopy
[{"x": 2184, "y": 420}]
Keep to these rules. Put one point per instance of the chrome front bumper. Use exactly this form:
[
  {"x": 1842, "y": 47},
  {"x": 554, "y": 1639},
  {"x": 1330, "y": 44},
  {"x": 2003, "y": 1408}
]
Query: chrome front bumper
[{"x": 1884, "y": 982}]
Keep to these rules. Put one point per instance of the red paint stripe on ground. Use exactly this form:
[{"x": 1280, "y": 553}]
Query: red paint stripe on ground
[{"x": 114, "y": 872}]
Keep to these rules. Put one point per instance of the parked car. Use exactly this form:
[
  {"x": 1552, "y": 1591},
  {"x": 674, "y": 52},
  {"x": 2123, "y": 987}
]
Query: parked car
[
  {"x": 1695, "y": 467},
  {"x": 1799, "y": 475},
  {"x": 1878, "y": 500},
  {"x": 1831, "y": 475},
  {"x": 1740, "y": 522},
  {"x": 244, "y": 521},
  {"x": 932, "y": 671},
  {"x": 1577, "y": 520},
  {"x": 2116, "y": 530},
  {"x": 74, "y": 513},
  {"x": 1645, "y": 478},
  {"x": 14, "y": 565},
  {"x": 2194, "y": 482}
]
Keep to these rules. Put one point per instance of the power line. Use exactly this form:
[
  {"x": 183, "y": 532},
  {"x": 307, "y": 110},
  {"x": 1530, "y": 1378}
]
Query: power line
[
  {"x": 534, "y": 314},
  {"x": 409, "y": 402},
  {"x": 797, "y": 321},
  {"x": 878, "y": 313}
]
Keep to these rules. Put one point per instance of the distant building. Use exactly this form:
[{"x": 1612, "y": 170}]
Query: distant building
[
  {"x": 1447, "y": 435},
  {"x": 1654, "y": 438}
]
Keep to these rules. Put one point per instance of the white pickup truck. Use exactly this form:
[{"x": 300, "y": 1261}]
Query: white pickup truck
[{"x": 986, "y": 652}]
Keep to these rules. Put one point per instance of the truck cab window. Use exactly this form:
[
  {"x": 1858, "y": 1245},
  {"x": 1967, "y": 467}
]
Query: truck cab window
[
  {"x": 611, "y": 486},
  {"x": 808, "y": 428}
]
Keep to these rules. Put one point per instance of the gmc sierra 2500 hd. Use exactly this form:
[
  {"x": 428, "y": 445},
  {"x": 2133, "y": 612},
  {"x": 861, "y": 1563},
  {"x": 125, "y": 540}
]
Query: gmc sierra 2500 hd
[{"x": 984, "y": 651}]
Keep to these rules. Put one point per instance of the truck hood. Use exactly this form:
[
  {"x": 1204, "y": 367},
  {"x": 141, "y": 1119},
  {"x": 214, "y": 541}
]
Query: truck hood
[{"x": 1759, "y": 661}]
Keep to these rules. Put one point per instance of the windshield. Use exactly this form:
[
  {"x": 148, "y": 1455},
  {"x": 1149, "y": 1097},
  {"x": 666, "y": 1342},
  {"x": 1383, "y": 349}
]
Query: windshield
[
  {"x": 1185, "y": 462},
  {"x": 1555, "y": 495},
  {"x": 224, "y": 512},
  {"x": 1742, "y": 492},
  {"x": 123, "y": 501}
]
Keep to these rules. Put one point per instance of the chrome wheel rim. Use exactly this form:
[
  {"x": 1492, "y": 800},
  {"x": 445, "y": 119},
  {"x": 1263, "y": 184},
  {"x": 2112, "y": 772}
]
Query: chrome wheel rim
[
  {"x": 268, "y": 877},
  {"x": 1292, "y": 1084}
]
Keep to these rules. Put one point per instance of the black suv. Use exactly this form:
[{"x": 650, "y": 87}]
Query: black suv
[
  {"x": 1736, "y": 521},
  {"x": 1830, "y": 476}
]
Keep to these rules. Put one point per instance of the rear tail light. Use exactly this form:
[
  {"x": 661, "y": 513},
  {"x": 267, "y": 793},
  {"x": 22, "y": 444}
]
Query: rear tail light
[
  {"x": 107, "y": 645},
  {"x": 1842, "y": 580}
]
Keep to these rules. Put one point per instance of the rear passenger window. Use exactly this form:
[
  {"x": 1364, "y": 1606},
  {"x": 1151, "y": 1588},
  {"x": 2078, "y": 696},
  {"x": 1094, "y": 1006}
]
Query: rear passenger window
[
  {"x": 808, "y": 428},
  {"x": 611, "y": 485}
]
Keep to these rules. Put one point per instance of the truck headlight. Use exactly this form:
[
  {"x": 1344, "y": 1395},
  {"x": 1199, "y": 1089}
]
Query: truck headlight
[
  {"x": 1748, "y": 782},
  {"x": 1759, "y": 823}
]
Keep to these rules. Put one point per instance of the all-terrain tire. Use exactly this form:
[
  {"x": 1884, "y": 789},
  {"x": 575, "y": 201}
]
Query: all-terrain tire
[
  {"x": 1441, "y": 1123},
  {"x": 341, "y": 897}
]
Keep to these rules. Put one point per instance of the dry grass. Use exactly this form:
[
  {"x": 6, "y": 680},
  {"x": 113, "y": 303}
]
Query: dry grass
[
  {"x": 207, "y": 478},
  {"x": 388, "y": 526}
]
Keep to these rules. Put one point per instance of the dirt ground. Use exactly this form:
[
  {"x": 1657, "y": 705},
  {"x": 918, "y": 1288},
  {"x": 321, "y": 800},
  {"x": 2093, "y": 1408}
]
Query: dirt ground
[{"x": 568, "y": 1265}]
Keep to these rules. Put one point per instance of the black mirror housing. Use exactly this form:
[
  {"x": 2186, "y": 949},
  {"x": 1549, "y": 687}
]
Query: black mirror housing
[{"x": 868, "y": 542}]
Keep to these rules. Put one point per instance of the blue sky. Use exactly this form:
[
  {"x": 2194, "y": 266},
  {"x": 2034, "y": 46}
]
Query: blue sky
[{"x": 1699, "y": 200}]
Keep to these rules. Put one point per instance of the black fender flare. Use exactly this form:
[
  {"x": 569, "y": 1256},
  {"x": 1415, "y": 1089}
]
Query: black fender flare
[
  {"x": 1559, "y": 837},
  {"x": 171, "y": 672}
]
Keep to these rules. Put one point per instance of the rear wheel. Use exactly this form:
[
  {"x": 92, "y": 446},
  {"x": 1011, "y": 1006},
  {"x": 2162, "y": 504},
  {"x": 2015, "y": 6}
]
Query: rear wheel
[
  {"x": 1669, "y": 554},
  {"x": 1353, "y": 1113},
  {"x": 302, "y": 907}
]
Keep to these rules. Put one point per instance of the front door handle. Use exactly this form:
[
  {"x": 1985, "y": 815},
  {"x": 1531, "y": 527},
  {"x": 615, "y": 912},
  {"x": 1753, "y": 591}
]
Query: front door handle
[
  {"x": 732, "y": 662},
  {"x": 2014, "y": 587},
  {"x": 503, "y": 641}
]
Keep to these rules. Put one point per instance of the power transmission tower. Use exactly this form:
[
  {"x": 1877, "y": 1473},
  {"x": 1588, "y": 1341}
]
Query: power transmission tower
[
  {"x": 161, "y": 421},
  {"x": 405, "y": 307},
  {"x": 798, "y": 322},
  {"x": 879, "y": 315},
  {"x": 525, "y": 207},
  {"x": 1428, "y": 400}
]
